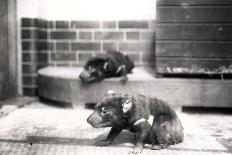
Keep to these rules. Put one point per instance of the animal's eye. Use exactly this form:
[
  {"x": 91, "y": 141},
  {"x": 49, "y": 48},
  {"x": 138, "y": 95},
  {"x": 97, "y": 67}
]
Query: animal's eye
[
  {"x": 126, "y": 102},
  {"x": 91, "y": 69},
  {"x": 104, "y": 111}
]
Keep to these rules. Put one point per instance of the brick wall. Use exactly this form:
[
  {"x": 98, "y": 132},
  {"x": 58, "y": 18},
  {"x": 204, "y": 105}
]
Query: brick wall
[{"x": 71, "y": 43}]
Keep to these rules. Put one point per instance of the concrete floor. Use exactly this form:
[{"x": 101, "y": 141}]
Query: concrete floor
[
  {"x": 44, "y": 129},
  {"x": 217, "y": 125}
]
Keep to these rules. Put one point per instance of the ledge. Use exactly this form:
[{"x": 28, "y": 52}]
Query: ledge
[{"x": 63, "y": 84}]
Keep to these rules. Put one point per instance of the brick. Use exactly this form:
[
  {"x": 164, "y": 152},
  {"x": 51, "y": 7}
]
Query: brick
[
  {"x": 63, "y": 35},
  {"x": 42, "y": 57},
  {"x": 41, "y": 23},
  {"x": 34, "y": 34},
  {"x": 41, "y": 65},
  {"x": 62, "y": 46},
  {"x": 148, "y": 35},
  {"x": 35, "y": 57},
  {"x": 109, "y": 25},
  {"x": 62, "y": 24},
  {"x": 132, "y": 35},
  {"x": 30, "y": 91},
  {"x": 34, "y": 22},
  {"x": 52, "y": 45},
  {"x": 32, "y": 68},
  {"x": 133, "y": 24},
  {"x": 83, "y": 57},
  {"x": 41, "y": 46},
  {"x": 109, "y": 35},
  {"x": 85, "y": 46},
  {"x": 35, "y": 45},
  {"x": 29, "y": 68},
  {"x": 29, "y": 80},
  {"x": 25, "y": 34},
  {"x": 28, "y": 22},
  {"x": 63, "y": 56},
  {"x": 52, "y": 63},
  {"x": 135, "y": 46},
  {"x": 50, "y": 24},
  {"x": 26, "y": 46},
  {"x": 42, "y": 34},
  {"x": 85, "y": 24},
  {"x": 109, "y": 46},
  {"x": 62, "y": 64},
  {"x": 85, "y": 35},
  {"x": 26, "y": 57}
]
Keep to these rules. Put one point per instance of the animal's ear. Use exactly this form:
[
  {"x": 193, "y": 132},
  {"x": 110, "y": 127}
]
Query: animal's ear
[
  {"x": 106, "y": 66},
  {"x": 126, "y": 104},
  {"x": 109, "y": 92}
]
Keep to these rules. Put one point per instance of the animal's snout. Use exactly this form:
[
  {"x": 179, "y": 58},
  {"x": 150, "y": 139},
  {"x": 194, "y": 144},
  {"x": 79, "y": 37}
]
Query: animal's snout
[
  {"x": 84, "y": 74},
  {"x": 89, "y": 119},
  {"x": 95, "y": 120}
]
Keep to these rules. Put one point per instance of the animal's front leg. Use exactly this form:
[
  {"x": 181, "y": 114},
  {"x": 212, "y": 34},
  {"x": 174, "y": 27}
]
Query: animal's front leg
[
  {"x": 114, "y": 132},
  {"x": 143, "y": 130},
  {"x": 123, "y": 73}
]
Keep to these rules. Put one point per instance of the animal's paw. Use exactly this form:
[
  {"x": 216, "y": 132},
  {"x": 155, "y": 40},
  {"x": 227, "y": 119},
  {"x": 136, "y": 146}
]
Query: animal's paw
[
  {"x": 124, "y": 79},
  {"x": 158, "y": 147},
  {"x": 136, "y": 150},
  {"x": 102, "y": 143}
]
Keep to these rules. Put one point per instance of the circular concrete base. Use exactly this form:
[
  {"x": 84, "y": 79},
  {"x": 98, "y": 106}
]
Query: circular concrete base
[
  {"x": 62, "y": 84},
  {"x": 54, "y": 83}
]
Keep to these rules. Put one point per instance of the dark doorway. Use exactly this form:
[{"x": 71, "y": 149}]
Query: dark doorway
[{"x": 8, "y": 52}]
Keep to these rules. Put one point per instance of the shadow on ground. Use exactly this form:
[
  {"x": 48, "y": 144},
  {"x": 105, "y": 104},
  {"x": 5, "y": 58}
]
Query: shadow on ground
[{"x": 124, "y": 137}]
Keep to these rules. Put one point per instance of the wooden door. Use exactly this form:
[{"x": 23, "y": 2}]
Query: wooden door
[{"x": 194, "y": 37}]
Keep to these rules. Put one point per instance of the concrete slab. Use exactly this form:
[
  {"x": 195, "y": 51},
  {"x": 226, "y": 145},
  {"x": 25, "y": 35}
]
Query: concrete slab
[
  {"x": 46, "y": 131},
  {"x": 218, "y": 125}
]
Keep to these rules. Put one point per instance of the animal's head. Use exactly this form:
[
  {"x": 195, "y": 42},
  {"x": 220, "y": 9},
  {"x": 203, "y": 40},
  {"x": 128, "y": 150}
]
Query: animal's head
[
  {"x": 95, "y": 70},
  {"x": 110, "y": 110}
]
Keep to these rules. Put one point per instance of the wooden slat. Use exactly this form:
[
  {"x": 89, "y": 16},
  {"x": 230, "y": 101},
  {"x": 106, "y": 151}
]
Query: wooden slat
[
  {"x": 193, "y": 66},
  {"x": 194, "y": 31},
  {"x": 194, "y": 14},
  {"x": 194, "y": 2},
  {"x": 4, "y": 63},
  {"x": 194, "y": 36},
  {"x": 207, "y": 49}
]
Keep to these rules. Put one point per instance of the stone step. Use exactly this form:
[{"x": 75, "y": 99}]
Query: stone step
[
  {"x": 10, "y": 105},
  {"x": 62, "y": 84}
]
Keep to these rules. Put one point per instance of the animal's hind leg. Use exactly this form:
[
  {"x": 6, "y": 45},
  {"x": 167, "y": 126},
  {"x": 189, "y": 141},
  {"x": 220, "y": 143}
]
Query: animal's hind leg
[
  {"x": 161, "y": 140},
  {"x": 164, "y": 135},
  {"x": 162, "y": 132}
]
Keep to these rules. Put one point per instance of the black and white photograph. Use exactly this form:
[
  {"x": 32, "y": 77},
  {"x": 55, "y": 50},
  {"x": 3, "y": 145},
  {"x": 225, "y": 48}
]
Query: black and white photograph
[{"x": 115, "y": 77}]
